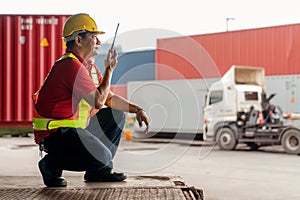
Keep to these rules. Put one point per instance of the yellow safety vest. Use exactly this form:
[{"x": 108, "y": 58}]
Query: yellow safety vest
[{"x": 79, "y": 120}]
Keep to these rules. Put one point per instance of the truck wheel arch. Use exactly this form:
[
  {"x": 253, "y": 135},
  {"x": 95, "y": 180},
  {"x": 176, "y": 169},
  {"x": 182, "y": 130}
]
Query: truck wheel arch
[
  {"x": 230, "y": 132},
  {"x": 287, "y": 129},
  {"x": 221, "y": 125},
  {"x": 226, "y": 139}
]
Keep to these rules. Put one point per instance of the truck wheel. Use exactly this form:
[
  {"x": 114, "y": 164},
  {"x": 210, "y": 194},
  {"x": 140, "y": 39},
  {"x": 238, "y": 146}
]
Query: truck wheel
[
  {"x": 291, "y": 141},
  {"x": 226, "y": 139}
]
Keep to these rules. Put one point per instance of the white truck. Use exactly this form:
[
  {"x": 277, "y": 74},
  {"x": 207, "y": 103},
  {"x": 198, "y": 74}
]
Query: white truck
[{"x": 238, "y": 111}]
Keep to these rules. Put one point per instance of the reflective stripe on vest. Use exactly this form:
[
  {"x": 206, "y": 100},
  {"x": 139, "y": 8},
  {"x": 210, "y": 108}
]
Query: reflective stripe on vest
[{"x": 79, "y": 120}]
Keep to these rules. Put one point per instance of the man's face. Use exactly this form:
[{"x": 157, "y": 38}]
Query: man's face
[{"x": 91, "y": 43}]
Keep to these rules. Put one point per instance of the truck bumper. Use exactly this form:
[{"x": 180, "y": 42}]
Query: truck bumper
[{"x": 207, "y": 136}]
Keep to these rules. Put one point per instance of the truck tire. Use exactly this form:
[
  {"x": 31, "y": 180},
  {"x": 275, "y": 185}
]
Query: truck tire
[
  {"x": 226, "y": 139},
  {"x": 291, "y": 141}
]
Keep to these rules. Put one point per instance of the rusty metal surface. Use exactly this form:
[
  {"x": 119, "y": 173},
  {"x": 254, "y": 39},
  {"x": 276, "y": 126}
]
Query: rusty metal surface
[
  {"x": 135, "y": 187},
  {"x": 77, "y": 181},
  {"x": 92, "y": 193}
]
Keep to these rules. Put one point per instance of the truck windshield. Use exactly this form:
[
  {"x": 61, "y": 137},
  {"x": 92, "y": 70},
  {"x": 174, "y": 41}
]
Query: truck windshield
[{"x": 215, "y": 97}]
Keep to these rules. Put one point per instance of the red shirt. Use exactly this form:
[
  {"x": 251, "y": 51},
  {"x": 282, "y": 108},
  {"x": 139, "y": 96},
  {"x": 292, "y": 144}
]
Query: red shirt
[{"x": 66, "y": 84}]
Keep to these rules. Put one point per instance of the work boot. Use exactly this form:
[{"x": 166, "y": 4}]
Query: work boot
[
  {"x": 105, "y": 175},
  {"x": 49, "y": 179}
]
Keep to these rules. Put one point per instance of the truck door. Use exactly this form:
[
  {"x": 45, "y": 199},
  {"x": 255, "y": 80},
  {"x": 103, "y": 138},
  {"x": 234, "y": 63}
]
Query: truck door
[{"x": 212, "y": 111}]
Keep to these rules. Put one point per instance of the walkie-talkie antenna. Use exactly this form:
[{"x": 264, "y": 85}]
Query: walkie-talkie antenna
[{"x": 113, "y": 43}]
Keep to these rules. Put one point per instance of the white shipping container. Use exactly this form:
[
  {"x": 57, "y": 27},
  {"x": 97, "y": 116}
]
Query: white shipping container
[
  {"x": 286, "y": 88},
  {"x": 174, "y": 106}
]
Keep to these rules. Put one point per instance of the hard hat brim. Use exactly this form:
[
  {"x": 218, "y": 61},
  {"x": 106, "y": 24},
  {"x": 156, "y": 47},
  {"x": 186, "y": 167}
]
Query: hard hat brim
[
  {"x": 72, "y": 37},
  {"x": 98, "y": 32}
]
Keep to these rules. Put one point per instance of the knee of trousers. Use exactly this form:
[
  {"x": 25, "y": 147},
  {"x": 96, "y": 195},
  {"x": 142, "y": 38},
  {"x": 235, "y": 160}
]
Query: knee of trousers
[{"x": 117, "y": 115}]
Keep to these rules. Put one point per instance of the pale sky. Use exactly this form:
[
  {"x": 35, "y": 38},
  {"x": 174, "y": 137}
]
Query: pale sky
[{"x": 144, "y": 21}]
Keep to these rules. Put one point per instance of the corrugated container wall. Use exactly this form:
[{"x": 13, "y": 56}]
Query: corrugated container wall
[
  {"x": 29, "y": 46},
  {"x": 277, "y": 49}
]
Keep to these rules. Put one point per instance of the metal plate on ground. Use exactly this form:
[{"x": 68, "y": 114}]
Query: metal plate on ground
[
  {"x": 135, "y": 187},
  {"x": 91, "y": 193}
]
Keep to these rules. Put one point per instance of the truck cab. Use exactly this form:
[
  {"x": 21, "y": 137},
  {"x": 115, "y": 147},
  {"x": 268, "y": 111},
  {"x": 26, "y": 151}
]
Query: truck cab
[
  {"x": 229, "y": 105},
  {"x": 230, "y": 98}
]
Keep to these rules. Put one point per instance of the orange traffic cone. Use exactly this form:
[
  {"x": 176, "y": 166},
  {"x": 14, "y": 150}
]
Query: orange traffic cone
[
  {"x": 260, "y": 119},
  {"x": 128, "y": 134}
]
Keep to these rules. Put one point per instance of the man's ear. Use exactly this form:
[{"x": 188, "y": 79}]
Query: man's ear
[{"x": 78, "y": 40}]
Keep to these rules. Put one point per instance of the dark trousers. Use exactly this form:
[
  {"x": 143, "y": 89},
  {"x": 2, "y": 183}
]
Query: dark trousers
[{"x": 90, "y": 149}]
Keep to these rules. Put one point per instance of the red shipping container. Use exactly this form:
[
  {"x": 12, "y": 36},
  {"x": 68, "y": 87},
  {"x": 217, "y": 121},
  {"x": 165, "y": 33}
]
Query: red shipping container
[
  {"x": 30, "y": 44},
  {"x": 277, "y": 49}
]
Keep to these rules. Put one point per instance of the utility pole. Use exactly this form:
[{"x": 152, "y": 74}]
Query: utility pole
[{"x": 227, "y": 19}]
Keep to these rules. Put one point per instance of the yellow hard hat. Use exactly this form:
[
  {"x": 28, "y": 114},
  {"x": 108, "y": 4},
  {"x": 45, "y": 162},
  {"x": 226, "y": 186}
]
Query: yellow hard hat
[{"x": 80, "y": 22}]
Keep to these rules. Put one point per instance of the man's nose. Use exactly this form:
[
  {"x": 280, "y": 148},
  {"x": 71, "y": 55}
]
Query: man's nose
[{"x": 98, "y": 42}]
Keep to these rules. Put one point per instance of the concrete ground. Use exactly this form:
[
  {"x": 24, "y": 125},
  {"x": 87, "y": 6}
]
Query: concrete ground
[
  {"x": 268, "y": 173},
  {"x": 20, "y": 179}
]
